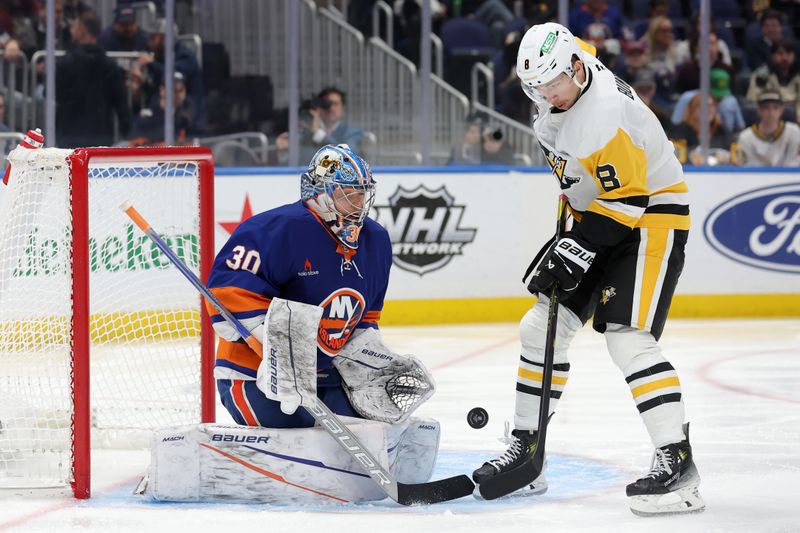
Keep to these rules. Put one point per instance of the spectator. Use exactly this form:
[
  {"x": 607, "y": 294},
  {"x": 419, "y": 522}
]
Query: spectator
[
  {"x": 599, "y": 35},
  {"x": 759, "y": 52},
  {"x": 657, "y": 8},
  {"x": 16, "y": 23},
  {"x": 686, "y": 136},
  {"x": 781, "y": 75},
  {"x": 151, "y": 65},
  {"x": 496, "y": 16},
  {"x": 645, "y": 85},
  {"x": 633, "y": 59},
  {"x": 468, "y": 152},
  {"x": 772, "y": 142},
  {"x": 148, "y": 128},
  {"x": 688, "y": 76},
  {"x": 661, "y": 57},
  {"x": 74, "y": 9},
  {"x": 63, "y": 37},
  {"x": 3, "y": 127},
  {"x": 596, "y": 11},
  {"x": 90, "y": 90},
  {"x": 727, "y": 105},
  {"x": 687, "y": 48},
  {"x": 124, "y": 35},
  {"x": 326, "y": 124},
  {"x": 496, "y": 150}
]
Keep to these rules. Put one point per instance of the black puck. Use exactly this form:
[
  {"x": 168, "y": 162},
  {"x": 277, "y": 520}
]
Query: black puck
[{"x": 477, "y": 417}]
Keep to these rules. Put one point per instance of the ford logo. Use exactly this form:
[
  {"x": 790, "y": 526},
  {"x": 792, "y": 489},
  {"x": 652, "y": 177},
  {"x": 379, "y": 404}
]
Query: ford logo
[{"x": 760, "y": 228}]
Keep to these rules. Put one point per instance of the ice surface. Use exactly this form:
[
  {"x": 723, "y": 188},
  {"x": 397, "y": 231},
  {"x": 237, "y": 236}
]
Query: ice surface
[{"x": 740, "y": 382}]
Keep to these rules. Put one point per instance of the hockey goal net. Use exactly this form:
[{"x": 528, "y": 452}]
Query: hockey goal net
[{"x": 101, "y": 338}]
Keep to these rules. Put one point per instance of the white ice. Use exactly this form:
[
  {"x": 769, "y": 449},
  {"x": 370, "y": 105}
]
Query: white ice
[{"x": 741, "y": 388}]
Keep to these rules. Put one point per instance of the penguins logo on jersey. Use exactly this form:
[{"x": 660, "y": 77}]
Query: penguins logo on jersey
[
  {"x": 341, "y": 312},
  {"x": 425, "y": 228},
  {"x": 557, "y": 165}
]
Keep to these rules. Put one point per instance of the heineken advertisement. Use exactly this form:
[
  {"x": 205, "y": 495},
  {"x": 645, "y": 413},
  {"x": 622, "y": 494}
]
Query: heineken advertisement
[{"x": 127, "y": 251}]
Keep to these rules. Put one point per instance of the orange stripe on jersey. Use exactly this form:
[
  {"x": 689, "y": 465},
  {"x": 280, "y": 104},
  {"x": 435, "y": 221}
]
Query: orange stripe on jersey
[
  {"x": 237, "y": 392},
  {"x": 238, "y": 354},
  {"x": 372, "y": 317},
  {"x": 237, "y": 300}
]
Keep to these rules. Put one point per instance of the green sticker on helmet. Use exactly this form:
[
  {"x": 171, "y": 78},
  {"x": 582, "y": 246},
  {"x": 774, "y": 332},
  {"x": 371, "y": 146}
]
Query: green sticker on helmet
[{"x": 548, "y": 43}]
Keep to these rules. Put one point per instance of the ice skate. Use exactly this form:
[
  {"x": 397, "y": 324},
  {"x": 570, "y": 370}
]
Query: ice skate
[
  {"x": 671, "y": 487},
  {"x": 522, "y": 445}
]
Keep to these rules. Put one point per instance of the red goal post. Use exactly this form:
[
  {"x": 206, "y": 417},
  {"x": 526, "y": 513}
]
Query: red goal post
[{"x": 85, "y": 305}]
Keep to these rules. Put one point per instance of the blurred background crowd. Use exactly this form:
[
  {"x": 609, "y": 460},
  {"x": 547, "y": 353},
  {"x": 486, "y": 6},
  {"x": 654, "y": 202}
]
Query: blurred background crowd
[{"x": 359, "y": 69}]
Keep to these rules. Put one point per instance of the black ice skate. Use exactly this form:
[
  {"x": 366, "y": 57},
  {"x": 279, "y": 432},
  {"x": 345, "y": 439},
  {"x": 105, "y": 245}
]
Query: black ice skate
[
  {"x": 671, "y": 486},
  {"x": 522, "y": 445}
]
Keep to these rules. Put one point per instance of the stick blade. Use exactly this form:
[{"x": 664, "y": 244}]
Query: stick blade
[
  {"x": 507, "y": 482},
  {"x": 436, "y": 491}
]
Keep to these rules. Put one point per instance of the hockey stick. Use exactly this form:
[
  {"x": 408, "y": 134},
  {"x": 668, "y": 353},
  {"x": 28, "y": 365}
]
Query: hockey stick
[
  {"x": 403, "y": 493},
  {"x": 508, "y": 482}
]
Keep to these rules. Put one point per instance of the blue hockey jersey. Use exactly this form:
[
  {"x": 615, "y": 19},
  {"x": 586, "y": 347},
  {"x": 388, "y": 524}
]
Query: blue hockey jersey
[{"x": 288, "y": 252}]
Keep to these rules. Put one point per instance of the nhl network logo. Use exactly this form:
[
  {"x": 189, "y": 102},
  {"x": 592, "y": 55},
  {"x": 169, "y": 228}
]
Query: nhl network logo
[{"x": 424, "y": 226}]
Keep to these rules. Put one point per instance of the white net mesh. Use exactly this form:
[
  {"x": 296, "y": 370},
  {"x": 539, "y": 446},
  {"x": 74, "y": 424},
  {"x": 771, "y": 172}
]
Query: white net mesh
[{"x": 145, "y": 324}]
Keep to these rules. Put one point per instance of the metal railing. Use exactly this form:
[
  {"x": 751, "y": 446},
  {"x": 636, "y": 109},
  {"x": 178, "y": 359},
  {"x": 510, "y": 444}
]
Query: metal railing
[
  {"x": 15, "y": 88},
  {"x": 482, "y": 70},
  {"x": 388, "y": 17},
  {"x": 237, "y": 149},
  {"x": 450, "y": 109},
  {"x": 520, "y": 137}
]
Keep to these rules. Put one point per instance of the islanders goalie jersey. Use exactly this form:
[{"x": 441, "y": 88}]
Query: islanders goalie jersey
[
  {"x": 613, "y": 160},
  {"x": 288, "y": 253}
]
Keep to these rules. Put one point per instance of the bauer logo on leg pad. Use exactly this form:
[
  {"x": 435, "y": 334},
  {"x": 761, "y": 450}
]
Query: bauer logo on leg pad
[{"x": 247, "y": 439}]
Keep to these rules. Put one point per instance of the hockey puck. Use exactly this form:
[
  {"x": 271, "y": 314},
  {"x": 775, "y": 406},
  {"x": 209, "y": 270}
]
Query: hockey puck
[{"x": 477, "y": 417}]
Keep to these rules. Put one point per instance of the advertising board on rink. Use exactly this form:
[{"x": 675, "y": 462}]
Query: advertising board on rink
[{"x": 463, "y": 236}]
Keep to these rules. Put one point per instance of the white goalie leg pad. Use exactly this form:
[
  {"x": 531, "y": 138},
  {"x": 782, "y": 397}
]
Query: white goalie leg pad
[
  {"x": 413, "y": 447},
  {"x": 288, "y": 371},
  {"x": 209, "y": 462},
  {"x": 380, "y": 384}
]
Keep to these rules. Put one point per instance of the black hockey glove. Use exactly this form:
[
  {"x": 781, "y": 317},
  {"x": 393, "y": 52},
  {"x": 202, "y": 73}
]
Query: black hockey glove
[{"x": 566, "y": 261}]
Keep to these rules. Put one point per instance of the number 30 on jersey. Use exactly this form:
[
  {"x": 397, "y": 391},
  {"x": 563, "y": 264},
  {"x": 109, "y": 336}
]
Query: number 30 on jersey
[{"x": 244, "y": 259}]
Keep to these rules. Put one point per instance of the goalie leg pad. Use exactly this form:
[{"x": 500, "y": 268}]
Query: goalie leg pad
[
  {"x": 413, "y": 447},
  {"x": 209, "y": 462},
  {"x": 288, "y": 371},
  {"x": 382, "y": 385}
]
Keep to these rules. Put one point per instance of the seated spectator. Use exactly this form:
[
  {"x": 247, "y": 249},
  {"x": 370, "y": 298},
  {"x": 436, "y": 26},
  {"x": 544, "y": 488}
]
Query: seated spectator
[
  {"x": 772, "y": 142},
  {"x": 468, "y": 152},
  {"x": 656, "y": 8},
  {"x": 645, "y": 86},
  {"x": 148, "y": 128},
  {"x": 16, "y": 23},
  {"x": 124, "y": 34},
  {"x": 633, "y": 59},
  {"x": 686, "y": 49},
  {"x": 688, "y": 76},
  {"x": 596, "y": 11},
  {"x": 599, "y": 35},
  {"x": 90, "y": 90},
  {"x": 661, "y": 57},
  {"x": 325, "y": 123},
  {"x": 759, "y": 51},
  {"x": 727, "y": 105},
  {"x": 151, "y": 64},
  {"x": 496, "y": 151},
  {"x": 781, "y": 75},
  {"x": 686, "y": 135},
  {"x": 63, "y": 37}
]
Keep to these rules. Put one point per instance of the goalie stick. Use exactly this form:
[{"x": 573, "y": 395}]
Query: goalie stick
[
  {"x": 403, "y": 493},
  {"x": 508, "y": 482}
]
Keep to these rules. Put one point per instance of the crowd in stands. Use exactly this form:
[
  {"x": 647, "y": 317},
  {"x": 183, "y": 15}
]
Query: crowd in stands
[{"x": 651, "y": 44}]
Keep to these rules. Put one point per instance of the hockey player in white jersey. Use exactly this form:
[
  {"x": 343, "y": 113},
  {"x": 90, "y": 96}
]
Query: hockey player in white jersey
[{"x": 619, "y": 262}]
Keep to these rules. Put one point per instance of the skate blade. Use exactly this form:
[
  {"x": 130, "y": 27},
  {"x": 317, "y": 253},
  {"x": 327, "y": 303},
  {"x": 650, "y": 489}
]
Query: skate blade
[
  {"x": 681, "y": 501},
  {"x": 537, "y": 488}
]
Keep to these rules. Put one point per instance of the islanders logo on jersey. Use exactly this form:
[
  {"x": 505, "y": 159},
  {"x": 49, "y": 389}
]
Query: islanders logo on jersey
[{"x": 342, "y": 311}]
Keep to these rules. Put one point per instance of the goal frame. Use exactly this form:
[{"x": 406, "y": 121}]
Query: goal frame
[{"x": 80, "y": 161}]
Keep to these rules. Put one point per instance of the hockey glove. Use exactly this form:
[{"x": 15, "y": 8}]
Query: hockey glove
[{"x": 566, "y": 261}]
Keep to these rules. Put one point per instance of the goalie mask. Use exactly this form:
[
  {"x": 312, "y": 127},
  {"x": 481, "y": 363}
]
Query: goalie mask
[
  {"x": 545, "y": 53},
  {"x": 339, "y": 188}
]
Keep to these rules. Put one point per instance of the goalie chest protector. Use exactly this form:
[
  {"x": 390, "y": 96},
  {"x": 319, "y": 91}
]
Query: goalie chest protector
[{"x": 287, "y": 252}]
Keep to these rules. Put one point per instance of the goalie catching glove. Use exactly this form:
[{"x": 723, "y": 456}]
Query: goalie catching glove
[
  {"x": 566, "y": 261},
  {"x": 380, "y": 384}
]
